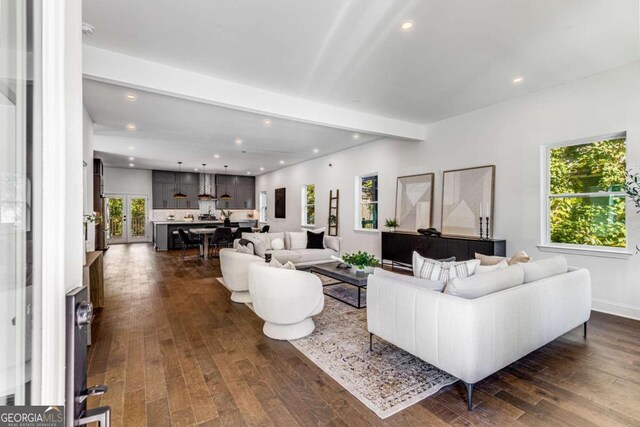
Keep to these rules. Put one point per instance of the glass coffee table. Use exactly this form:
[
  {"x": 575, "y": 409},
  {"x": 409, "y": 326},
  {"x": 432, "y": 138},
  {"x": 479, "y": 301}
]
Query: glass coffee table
[{"x": 344, "y": 276}]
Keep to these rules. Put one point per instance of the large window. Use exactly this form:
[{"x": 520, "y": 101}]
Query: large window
[
  {"x": 309, "y": 204},
  {"x": 585, "y": 193},
  {"x": 263, "y": 206},
  {"x": 367, "y": 202}
]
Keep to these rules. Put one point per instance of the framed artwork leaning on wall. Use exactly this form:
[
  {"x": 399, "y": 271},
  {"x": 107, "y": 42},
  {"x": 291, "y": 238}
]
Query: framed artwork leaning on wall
[
  {"x": 467, "y": 195},
  {"x": 414, "y": 201}
]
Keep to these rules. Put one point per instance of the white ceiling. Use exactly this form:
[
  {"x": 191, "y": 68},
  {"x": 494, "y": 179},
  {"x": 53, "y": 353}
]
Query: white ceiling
[
  {"x": 460, "y": 55},
  {"x": 170, "y": 129}
]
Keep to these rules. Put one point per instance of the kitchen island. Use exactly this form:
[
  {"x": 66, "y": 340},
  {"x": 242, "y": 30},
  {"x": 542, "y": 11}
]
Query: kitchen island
[{"x": 165, "y": 233}]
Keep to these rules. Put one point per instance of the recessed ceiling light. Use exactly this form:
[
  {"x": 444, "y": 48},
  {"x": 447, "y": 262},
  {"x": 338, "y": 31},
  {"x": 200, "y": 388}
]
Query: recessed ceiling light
[
  {"x": 238, "y": 141},
  {"x": 261, "y": 168},
  {"x": 131, "y": 165},
  {"x": 195, "y": 169},
  {"x": 282, "y": 162},
  {"x": 131, "y": 159},
  {"x": 131, "y": 147},
  {"x": 355, "y": 136},
  {"x": 88, "y": 29},
  {"x": 131, "y": 96},
  {"x": 217, "y": 156},
  {"x": 248, "y": 173},
  {"x": 266, "y": 122},
  {"x": 517, "y": 80},
  {"x": 315, "y": 150},
  {"x": 132, "y": 126},
  {"x": 406, "y": 26}
]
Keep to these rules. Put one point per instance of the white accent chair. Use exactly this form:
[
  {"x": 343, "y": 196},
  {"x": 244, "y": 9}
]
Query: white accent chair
[
  {"x": 285, "y": 299},
  {"x": 235, "y": 272}
]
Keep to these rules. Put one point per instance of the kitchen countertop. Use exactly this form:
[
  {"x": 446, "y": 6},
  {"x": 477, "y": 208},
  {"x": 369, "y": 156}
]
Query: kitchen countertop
[{"x": 197, "y": 221}]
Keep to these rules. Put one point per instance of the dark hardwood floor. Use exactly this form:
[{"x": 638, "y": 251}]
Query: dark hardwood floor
[{"x": 175, "y": 350}]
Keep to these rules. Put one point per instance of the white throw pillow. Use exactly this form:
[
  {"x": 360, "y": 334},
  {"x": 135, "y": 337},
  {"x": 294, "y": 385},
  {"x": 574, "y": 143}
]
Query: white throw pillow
[
  {"x": 332, "y": 242},
  {"x": 277, "y": 244},
  {"x": 487, "y": 268},
  {"x": 298, "y": 240},
  {"x": 259, "y": 248},
  {"x": 431, "y": 269},
  {"x": 277, "y": 264}
]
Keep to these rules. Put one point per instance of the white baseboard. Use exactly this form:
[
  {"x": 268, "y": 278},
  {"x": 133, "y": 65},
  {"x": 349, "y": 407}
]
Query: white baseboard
[{"x": 616, "y": 308}]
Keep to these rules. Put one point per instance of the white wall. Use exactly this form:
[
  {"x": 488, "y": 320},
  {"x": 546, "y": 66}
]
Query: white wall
[
  {"x": 87, "y": 155},
  {"x": 509, "y": 135},
  {"x": 130, "y": 181}
]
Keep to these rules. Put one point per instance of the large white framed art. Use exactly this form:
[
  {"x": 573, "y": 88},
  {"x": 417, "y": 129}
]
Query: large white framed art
[
  {"x": 414, "y": 201},
  {"x": 467, "y": 195}
]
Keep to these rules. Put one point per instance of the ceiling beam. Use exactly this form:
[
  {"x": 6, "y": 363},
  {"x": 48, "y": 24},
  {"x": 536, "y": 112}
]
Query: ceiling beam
[{"x": 112, "y": 67}]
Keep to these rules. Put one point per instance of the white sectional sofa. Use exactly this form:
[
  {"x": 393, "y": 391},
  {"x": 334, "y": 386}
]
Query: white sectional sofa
[
  {"x": 293, "y": 247},
  {"x": 471, "y": 338}
]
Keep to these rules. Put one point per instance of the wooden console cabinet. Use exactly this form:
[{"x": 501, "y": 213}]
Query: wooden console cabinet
[{"x": 398, "y": 247}]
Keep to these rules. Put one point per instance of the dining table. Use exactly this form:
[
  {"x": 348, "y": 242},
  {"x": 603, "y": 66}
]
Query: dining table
[{"x": 204, "y": 241}]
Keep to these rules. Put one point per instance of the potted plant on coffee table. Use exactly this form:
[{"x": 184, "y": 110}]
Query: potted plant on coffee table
[{"x": 360, "y": 262}]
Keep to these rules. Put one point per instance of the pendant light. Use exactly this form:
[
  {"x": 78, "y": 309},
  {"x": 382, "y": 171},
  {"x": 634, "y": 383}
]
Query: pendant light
[
  {"x": 204, "y": 195},
  {"x": 225, "y": 196},
  {"x": 179, "y": 194}
]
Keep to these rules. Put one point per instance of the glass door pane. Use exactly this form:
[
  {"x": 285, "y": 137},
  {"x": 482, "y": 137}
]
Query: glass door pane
[
  {"x": 138, "y": 218},
  {"x": 116, "y": 231},
  {"x": 16, "y": 231}
]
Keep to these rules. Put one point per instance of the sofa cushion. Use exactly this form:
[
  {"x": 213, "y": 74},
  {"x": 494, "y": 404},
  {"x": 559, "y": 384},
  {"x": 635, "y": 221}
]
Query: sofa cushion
[
  {"x": 432, "y": 269},
  {"x": 538, "y": 270},
  {"x": 315, "y": 240},
  {"x": 297, "y": 239},
  {"x": 285, "y": 255},
  {"x": 487, "y": 268},
  {"x": 434, "y": 285},
  {"x": 484, "y": 284},
  {"x": 311, "y": 255},
  {"x": 332, "y": 242}
]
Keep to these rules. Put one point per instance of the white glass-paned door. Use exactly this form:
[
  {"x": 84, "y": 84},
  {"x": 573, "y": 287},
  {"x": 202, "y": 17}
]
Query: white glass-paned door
[
  {"x": 16, "y": 231},
  {"x": 127, "y": 218}
]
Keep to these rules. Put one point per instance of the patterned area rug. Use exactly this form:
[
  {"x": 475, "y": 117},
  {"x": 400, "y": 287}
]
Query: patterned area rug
[{"x": 387, "y": 380}]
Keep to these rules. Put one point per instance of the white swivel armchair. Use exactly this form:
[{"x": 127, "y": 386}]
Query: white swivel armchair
[
  {"x": 285, "y": 299},
  {"x": 235, "y": 272}
]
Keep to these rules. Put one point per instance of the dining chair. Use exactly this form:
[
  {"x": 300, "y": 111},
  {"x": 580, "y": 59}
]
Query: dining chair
[
  {"x": 221, "y": 238},
  {"x": 187, "y": 242},
  {"x": 265, "y": 229},
  {"x": 240, "y": 230}
]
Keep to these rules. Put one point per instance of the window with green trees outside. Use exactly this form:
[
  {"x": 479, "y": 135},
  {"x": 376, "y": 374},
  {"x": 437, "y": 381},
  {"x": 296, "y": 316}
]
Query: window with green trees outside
[
  {"x": 309, "y": 204},
  {"x": 585, "y": 194}
]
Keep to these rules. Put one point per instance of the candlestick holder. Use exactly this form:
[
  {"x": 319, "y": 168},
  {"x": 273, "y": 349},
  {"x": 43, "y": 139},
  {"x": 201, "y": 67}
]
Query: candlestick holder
[
  {"x": 487, "y": 228},
  {"x": 481, "y": 235}
]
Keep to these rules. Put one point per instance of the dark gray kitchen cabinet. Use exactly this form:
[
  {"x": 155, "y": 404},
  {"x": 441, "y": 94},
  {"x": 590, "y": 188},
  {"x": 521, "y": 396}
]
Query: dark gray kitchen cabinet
[
  {"x": 226, "y": 204},
  {"x": 166, "y": 183},
  {"x": 245, "y": 197}
]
